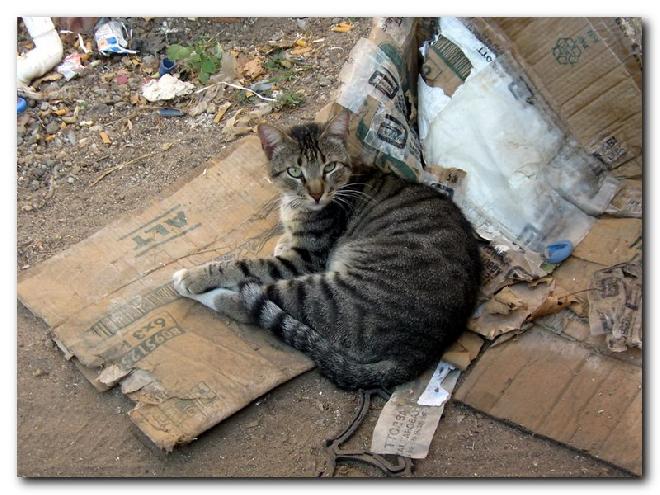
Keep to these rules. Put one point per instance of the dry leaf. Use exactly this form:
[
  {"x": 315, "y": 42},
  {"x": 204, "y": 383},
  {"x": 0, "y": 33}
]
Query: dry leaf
[
  {"x": 166, "y": 146},
  {"x": 222, "y": 109},
  {"x": 105, "y": 138},
  {"x": 61, "y": 111},
  {"x": 342, "y": 27},
  {"x": 253, "y": 68},
  {"x": 301, "y": 42},
  {"x": 52, "y": 76},
  {"x": 300, "y": 50},
  {"x": 554, "y": 304},
  {"x": 272, "y": 46},
  {"x": 129, "y": 125}
]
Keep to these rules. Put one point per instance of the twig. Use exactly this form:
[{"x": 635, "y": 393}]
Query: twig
[
  {"x": 51, "y": 185},
  {"x": 122, "y": 165},
  {"x": 237, "y": 86}
]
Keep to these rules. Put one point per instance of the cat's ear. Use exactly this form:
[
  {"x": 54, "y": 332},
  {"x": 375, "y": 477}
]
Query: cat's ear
[
  {"x": 271, "y": 137},
  {"x": 338, "y": 127}
]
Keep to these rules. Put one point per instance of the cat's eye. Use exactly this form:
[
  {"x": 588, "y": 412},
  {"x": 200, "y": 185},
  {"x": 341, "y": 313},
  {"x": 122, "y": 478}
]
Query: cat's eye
[
  {"x": 329, "y": 167},
  {"x": 294, "y": 172}
]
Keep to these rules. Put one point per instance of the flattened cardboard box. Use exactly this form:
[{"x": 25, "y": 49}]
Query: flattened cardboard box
[
  {"x": 562, "y": 390},
  {"x": 112, "y": 308}
]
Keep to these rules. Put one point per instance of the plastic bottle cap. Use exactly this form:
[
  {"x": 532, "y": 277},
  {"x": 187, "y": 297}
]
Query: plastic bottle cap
[
  {"x": 21, "y": 105},
  {"x": 558, "y": 251},
  {"x": 166, "y": 66}
]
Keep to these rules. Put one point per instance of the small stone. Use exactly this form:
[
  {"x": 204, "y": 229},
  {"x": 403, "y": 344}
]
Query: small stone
[
  {"x": 44, "y": 106},
  {"x": 71, "y": 180},
  {"x": 211, "y": 108},
  {"x": 52, "y": 127},
  {"x": 301, "y": 22},
  {"x": 39, "y": 372},
  {"x": 98, "y": 108},
  {"x": 35, "y": 184},
  {"x": 19, "y": 140},
  {"x": 324, "y": 82}
]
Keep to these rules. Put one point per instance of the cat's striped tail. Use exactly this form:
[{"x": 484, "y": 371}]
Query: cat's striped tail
[{"x": 334, "y": 362}]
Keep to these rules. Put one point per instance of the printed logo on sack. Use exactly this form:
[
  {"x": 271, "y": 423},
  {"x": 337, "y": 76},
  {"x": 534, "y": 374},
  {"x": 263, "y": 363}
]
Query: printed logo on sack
[{"x": 566, "y": 51}]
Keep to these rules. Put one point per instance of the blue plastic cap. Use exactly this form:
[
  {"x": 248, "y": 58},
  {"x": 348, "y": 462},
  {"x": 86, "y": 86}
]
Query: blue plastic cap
[
  {"x": 558, "y": 251},
  {"x": 21, "y": 105},
  {"x": 166, "y": 66}
]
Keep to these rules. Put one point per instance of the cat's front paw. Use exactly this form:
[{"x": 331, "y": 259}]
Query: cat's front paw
[{"x": 187, "y": 282}]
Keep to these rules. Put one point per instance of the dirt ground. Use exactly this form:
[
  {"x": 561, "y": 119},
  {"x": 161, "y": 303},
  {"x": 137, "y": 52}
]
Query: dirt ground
[{"x": 70, "y": 185}]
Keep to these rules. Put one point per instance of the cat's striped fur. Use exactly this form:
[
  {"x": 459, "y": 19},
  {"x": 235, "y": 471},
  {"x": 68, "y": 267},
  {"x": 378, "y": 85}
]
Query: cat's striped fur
[{"x": 373, "y": 283}]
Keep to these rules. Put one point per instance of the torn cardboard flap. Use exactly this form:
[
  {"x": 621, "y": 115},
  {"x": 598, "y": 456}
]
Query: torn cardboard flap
[
  {"x": 111, "y": 305},
  {"x": 509, "y": 309},
  {"x": 462, "y": 352},
  {"x": 445, "y": 65}
]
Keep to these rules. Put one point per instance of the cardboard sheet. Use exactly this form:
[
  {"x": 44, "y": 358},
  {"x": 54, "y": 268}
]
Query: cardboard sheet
[
  {"x": 562, "y": 390},
  {"x": 111, "y": 306},
  {"x": 410, "y": 417}
]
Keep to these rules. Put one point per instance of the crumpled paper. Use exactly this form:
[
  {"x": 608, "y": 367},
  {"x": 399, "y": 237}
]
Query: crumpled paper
[{"x": 167, "y": 87}]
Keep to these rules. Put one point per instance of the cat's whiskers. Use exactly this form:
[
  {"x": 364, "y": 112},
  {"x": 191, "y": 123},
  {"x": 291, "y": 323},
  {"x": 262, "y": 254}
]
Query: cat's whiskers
[
  {"x": 343, "y": 204},
  {"x": 344, "y": 189},
  {"x": 353, "y": 195}
]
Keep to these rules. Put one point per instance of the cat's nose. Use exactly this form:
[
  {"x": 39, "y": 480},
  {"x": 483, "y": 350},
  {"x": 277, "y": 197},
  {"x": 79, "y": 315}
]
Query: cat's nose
[{"x": 316, "y": 196}]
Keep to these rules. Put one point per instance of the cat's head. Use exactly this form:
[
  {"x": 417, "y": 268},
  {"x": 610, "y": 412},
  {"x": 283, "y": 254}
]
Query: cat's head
[{"x": 310, "y": 162}]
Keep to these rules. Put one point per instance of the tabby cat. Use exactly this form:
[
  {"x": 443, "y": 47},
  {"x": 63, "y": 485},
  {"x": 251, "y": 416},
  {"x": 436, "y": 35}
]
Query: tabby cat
[{"x": 375, "y": 276}]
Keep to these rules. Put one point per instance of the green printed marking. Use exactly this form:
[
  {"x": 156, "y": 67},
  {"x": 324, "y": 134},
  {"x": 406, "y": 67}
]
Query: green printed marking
[
  {"x": 396, "y": 59},
  {"x": 453, "y": 57},
  {"x": 397, "y": 166}
]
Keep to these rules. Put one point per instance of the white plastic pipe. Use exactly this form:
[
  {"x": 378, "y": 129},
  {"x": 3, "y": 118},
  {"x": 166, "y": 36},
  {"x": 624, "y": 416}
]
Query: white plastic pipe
[{"x": 47, "y": 51}]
